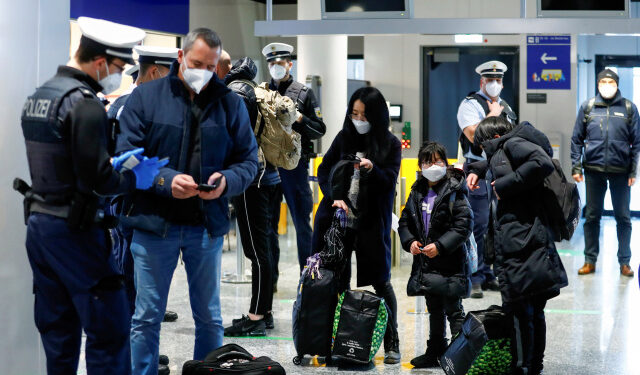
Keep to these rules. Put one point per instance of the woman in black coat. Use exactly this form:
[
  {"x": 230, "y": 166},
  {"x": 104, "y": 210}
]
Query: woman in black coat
[
  {"x": 527, "y": 264},
  {"x": 435, "y": 224},
  {"x": 365, "y": 133}
]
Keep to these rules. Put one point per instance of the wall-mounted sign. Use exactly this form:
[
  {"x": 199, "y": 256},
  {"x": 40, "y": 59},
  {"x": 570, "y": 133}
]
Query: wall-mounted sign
[{"x": 549, "y": 62}]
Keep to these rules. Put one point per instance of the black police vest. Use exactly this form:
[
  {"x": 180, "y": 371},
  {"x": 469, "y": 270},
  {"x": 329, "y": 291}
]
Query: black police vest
[
  {"x": 507, "y": 113},
  {"x": 48, "y": 149}
]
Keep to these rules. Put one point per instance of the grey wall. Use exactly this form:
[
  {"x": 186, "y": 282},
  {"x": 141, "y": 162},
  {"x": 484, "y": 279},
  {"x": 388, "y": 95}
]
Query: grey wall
[{"x": 35, "y": 37}]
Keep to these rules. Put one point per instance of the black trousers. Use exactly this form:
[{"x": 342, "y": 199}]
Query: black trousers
[
  {"x": 529, "y": 334},
  {"x": 274, "y": 208},
  {"x": 440, "y": 307},
  {"x": 256, "y": 233}
]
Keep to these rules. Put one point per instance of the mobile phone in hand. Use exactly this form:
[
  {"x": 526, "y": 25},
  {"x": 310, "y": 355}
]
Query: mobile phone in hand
[{"x": 207, "y": 188}]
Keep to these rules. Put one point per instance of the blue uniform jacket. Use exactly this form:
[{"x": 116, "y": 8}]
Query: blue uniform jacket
[
  {"x": 158, "y": 117},
  {"x": 607, "y": 142}
]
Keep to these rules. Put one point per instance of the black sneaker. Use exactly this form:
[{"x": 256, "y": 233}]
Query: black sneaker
[
  {"x": 268, "y": 320},
  {"x": 170, "y": 316},
  {"x": 163, "y": 370},
  {"x": 476, "y": 291},
  {"x": 491, "y": 285},
  {"x": 163, "y": 360},
  {"x": 246, "y": 327}
]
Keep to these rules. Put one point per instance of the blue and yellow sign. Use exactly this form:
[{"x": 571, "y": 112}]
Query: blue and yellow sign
[{"x": 549, "y": 62}]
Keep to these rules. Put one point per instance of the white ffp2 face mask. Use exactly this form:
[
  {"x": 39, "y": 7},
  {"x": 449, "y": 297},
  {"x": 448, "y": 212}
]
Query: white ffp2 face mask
[
  {"x": 277, "y": 72},
  {"x": 493, "y": 88},
  {"x": 362, "y": 127},
  {"x": 110, "y": 83},
  {"x": 196, "y": 78},
  {"x": 434, "y": 173},
  {"x": 608, "y": 91}
]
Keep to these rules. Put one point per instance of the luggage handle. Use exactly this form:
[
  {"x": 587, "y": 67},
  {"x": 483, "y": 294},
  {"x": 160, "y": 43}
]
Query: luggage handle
[{"x": 235, "y": 355}]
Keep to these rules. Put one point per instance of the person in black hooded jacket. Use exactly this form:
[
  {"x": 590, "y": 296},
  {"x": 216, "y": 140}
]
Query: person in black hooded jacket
[
  {"x": 527, "y": 264},
  {"x": 258, "y": 227},
  {"x": 435, "y": 224}
]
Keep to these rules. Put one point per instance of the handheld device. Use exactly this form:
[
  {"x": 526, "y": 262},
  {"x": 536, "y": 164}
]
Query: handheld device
[{"x": 207, "y": 188}]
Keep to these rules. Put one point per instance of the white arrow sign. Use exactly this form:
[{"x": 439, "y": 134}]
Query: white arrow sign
[{"x": 546, "y": 58}]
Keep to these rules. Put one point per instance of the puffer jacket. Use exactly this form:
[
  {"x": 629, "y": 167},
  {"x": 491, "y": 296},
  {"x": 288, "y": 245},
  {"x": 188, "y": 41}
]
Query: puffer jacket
[
  {"x": 527, "y": 263},
  {"x": 447, "y": 273},
  {"x": 608, "y": 140}
]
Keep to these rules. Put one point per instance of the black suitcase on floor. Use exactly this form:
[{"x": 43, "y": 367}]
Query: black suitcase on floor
[
  {"x": 313, "y": 313},
  {"x": 232, "y": 359}
]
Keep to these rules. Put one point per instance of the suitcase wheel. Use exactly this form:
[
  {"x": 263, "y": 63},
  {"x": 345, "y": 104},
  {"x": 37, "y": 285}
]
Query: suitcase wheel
[{"x": 297, "y": 360}]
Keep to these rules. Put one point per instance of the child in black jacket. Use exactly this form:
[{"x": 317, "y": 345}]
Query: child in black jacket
[
  {"x": 527, "y": 264},
  {"x": 435, "y": 224}
]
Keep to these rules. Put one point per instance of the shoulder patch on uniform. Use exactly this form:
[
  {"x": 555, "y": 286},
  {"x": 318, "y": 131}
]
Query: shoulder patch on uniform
[{"x": 317, "y": 111}]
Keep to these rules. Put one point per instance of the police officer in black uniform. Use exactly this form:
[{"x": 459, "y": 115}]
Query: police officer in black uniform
[
  {"x": 76, "y": 285},
  {"x": 295, "y": 183},
  {"x": 473, "y": 109}
]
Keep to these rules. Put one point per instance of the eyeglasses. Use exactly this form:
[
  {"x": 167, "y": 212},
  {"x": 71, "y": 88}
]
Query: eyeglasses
[
  {"x": 119, "y": 67},
  {"x": 439, "y": 163}
]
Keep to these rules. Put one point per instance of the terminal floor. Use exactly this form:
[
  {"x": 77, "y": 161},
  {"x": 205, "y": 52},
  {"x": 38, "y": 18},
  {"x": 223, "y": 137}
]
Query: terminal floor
[{"x": 593, "y": 327}]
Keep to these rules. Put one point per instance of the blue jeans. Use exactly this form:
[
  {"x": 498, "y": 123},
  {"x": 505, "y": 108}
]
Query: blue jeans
[
  {"x": 155, "y": 260},
  {"x": 596, "y": 184}
]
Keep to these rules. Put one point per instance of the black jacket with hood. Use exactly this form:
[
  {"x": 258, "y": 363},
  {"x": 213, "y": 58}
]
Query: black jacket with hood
[
  {"x": 449, "y": 228},
  {"x": 527, "y": 263}
]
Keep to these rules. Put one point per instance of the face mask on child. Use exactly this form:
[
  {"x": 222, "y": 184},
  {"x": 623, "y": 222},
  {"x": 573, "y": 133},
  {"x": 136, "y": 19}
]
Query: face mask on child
[{"x": 434, "y": 173}]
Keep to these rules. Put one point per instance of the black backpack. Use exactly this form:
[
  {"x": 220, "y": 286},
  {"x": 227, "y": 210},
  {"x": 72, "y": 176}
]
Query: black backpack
[
  {"x": 232, "y": 359},
  {"x": 561, "y": 203}
]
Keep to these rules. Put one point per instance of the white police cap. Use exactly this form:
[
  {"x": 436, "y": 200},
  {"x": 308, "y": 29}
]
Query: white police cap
[
  {"x": 277, "y": 51},
  {"x": 132, "y": 70},
  {"x": 156, "y": 55},
  {"x": 110, "y": 38},
  {"x": 492, "y": 69}
]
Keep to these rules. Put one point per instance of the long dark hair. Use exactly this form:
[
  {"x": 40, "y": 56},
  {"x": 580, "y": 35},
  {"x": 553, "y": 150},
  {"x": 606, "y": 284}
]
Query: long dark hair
[{"x": 375, "y": 110}]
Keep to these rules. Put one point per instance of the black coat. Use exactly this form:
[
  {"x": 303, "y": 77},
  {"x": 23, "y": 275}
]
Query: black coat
[
  {"x": 527, "y": 263},
  {"x": 445, "y": 274},
  {"x": 375, "y": 200}
]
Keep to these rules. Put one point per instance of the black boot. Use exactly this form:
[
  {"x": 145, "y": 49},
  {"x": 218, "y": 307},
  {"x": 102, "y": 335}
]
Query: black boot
[
  {"x": 163, "y": 370},
  {"x": 392, "y": 348},
  {"x": 170, "y": 316},
  {"x": 435, "y": 349}
]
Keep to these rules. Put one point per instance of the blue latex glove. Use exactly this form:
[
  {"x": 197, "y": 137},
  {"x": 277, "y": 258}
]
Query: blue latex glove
[
  {"x": 118, "y": 160},
  {"x": 147, "y": 170}
]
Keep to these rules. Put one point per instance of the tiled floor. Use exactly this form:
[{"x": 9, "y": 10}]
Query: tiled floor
[{"x": 593, "y": 327}]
